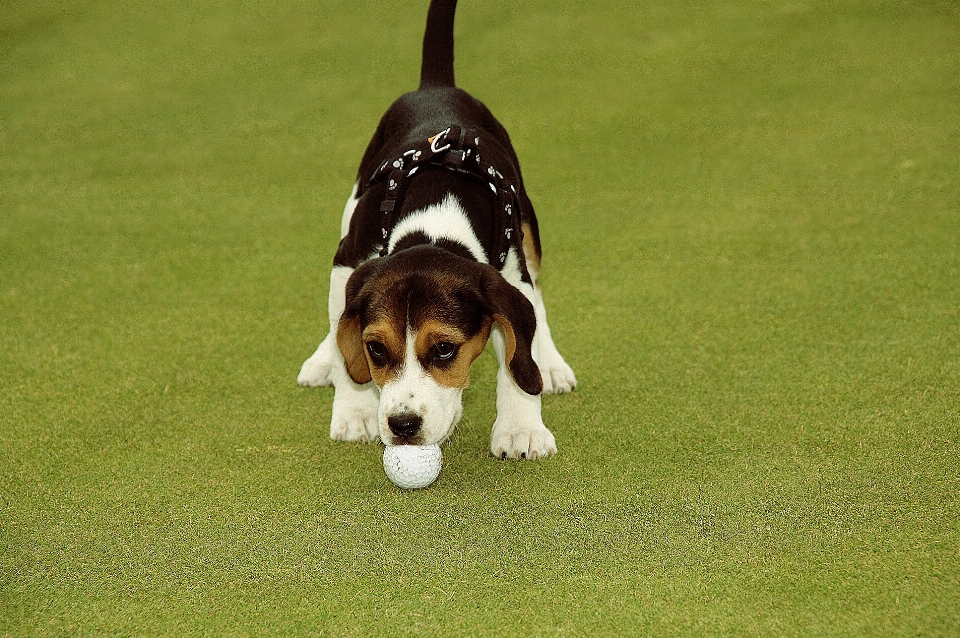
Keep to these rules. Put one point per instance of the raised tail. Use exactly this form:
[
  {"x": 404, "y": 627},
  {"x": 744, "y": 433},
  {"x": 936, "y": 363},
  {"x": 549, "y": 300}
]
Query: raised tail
[{"x": 436, "y": 69}]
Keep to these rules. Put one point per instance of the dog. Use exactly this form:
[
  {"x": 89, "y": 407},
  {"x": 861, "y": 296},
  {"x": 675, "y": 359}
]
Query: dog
[{"x": 439, "y": 253}]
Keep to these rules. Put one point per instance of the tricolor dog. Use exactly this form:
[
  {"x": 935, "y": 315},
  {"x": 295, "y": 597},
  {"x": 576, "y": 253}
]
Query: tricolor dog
[{"x": 439, "y": 252}]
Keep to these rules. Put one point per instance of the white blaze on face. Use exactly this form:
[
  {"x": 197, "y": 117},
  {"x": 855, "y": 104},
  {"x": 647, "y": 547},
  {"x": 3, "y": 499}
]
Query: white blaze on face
[{"x": 414, "y": 391}]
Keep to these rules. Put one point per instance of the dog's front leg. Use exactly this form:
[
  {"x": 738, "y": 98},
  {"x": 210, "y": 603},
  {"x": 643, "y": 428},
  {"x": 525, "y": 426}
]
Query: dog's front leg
[
  {"x": 519, "y": 432},
  {"x": 354, "y": 406}
]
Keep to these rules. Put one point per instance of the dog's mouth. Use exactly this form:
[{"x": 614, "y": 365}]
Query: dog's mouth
[
  {"x": 406, "y": 440},
  {"x": 421, "y": 437},
  {"x": 419, "y": 424}
]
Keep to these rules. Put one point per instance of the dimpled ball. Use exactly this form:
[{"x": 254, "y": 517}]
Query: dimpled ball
[{"x": 412, "y": 466}]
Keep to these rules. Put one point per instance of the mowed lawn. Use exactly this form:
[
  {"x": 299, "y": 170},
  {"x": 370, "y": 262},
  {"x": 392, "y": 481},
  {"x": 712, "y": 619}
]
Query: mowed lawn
[{"x": 751, "y": 223}]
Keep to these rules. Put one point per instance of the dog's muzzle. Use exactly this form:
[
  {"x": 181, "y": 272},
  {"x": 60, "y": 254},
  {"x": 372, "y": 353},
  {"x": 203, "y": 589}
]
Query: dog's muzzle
[{"x": 405, "y": 425}]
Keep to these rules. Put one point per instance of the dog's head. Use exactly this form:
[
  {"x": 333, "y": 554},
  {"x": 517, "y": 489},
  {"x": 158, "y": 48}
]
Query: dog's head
[{"x": 413, "y": 324}]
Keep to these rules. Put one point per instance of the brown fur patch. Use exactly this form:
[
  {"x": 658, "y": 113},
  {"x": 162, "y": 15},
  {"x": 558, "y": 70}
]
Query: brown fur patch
[
  {"x": 389, "y": 332},
  {"x": 455, "y": 373},
  {"x": 351, "y": 346},
  {"x": 428, "y": 286},
  {"x": 509, "y": 337}
]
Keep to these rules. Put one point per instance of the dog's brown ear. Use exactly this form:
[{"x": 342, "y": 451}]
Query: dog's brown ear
[
  {"x": 351, "y": 346},
  {"x": 514, "y": 314},
  {"x": 349, "y": 330}
]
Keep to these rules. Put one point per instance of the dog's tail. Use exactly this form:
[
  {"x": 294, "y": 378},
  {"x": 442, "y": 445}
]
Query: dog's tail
[{"x": 436, "y": 69}]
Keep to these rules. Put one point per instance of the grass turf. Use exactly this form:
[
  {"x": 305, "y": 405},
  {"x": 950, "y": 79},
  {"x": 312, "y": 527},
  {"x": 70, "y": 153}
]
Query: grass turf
[{"x": 751, "y": 217}]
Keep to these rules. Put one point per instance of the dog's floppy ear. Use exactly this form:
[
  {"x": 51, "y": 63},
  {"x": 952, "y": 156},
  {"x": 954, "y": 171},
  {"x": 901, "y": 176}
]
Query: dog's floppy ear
[
  {"x": 351, "y": 346},
  {"x": 514, "y": 314},
  {"x": 349, "y": 330}
]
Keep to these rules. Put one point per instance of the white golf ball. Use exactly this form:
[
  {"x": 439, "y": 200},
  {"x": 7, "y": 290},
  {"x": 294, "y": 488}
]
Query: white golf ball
[{"x": 412, "y": 466}]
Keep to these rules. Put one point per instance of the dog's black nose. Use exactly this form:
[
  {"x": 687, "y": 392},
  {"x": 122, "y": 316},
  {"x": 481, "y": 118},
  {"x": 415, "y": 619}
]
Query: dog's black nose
[{"x": 405, "y": 424}]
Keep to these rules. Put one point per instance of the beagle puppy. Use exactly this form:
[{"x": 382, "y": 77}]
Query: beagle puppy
[{"x": 439, "y": 252}]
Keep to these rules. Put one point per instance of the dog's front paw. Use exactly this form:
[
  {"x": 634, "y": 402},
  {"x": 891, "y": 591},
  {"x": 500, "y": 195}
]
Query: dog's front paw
[
  {"x": 558, "y": 377},
  {"x": 355, "y": 413},
  {"x": 315, "y": 371},
  {"x": 514, "y": 441}
]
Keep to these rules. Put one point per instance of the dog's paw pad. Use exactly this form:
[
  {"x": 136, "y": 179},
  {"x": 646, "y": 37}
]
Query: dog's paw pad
[
  {"x": 525, "y": 443},
  {"x": 355, "y": 414},
  {"x": 558, "y": 378},
  {"x": 356, "y": 425},
  {"x": 312, "y": 376},
  {"x": 315, "y": 371}
]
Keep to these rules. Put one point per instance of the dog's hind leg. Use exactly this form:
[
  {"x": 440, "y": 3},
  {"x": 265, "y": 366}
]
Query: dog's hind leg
[
  {"x": 354, "y": 406},
  {"x": 558, "y": 377},
  {"x": 315, "y": 371}
]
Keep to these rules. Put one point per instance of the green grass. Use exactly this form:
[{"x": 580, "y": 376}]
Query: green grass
[{"x": 751, "y": 218}]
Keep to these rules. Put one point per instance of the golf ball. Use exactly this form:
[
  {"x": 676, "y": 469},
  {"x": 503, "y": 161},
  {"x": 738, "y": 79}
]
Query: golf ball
[{"x": 412, "y": 466}]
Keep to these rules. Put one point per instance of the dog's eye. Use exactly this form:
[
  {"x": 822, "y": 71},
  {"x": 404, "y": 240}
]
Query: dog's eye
[
  {"x": 378, "y": 353},
  {"x": 444, "y": 351}
]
